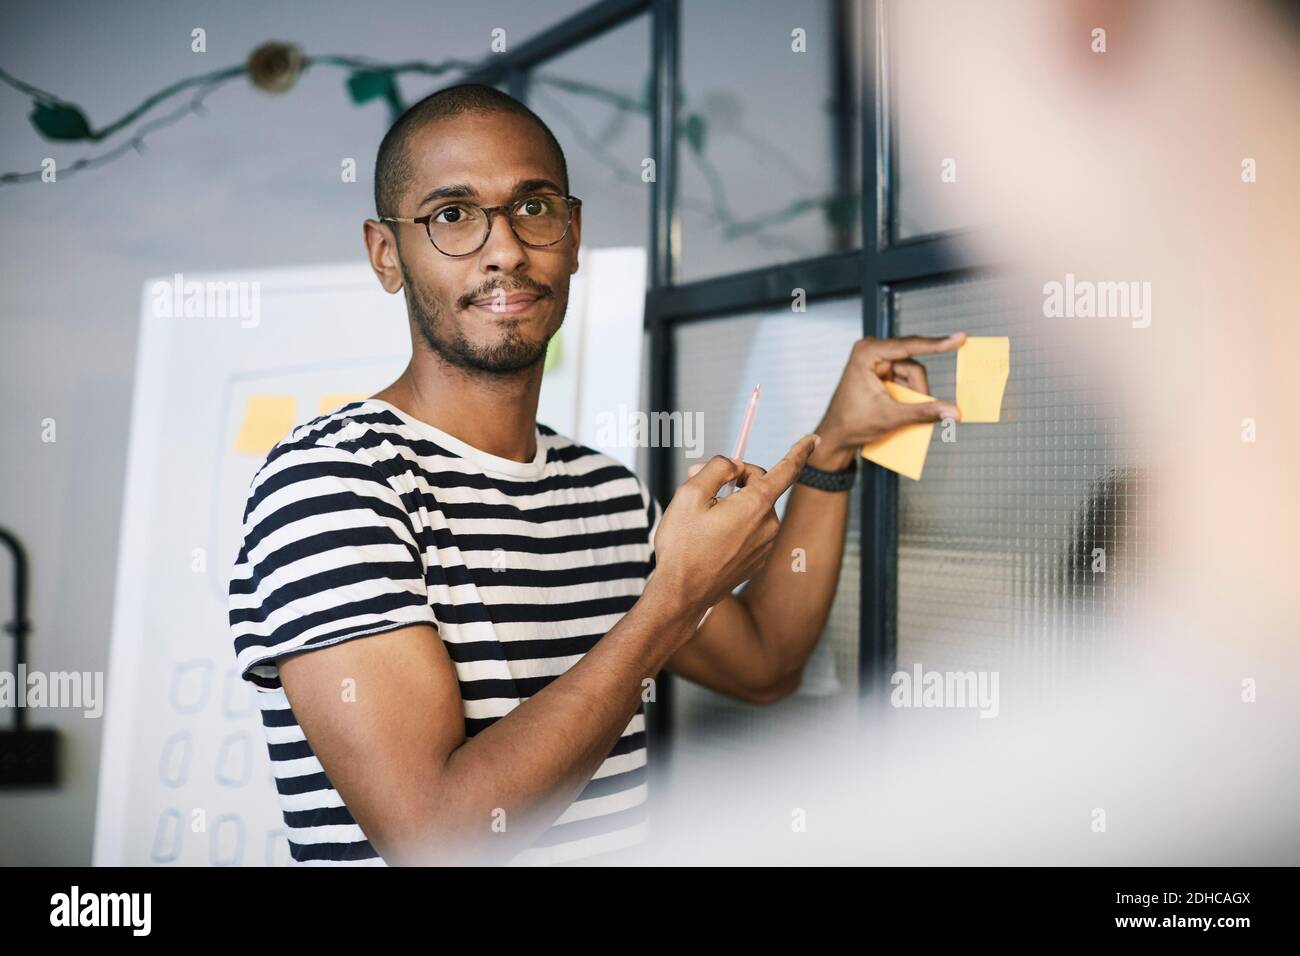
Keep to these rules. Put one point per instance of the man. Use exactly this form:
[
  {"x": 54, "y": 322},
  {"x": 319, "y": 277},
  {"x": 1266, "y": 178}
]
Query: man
[{"x": 517, "y": 592}]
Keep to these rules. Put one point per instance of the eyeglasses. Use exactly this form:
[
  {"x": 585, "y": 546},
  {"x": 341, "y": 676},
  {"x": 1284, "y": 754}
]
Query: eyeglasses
[{"x": 462, "y": 228}]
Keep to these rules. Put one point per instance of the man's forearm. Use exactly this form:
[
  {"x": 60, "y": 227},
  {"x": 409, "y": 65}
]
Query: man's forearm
[
  {"x": 533, "y": 763},
  {"x": 790, "y": 599}
]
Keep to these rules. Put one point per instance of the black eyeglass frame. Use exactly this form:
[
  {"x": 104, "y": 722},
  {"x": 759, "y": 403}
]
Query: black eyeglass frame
[{"x": 570, "y": 203}]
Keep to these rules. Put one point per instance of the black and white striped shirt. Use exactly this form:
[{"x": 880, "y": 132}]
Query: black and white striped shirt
[{"x": 366, "y": 520}]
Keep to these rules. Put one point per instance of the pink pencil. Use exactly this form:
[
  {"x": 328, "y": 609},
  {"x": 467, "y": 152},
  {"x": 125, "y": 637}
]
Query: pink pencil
[{"x": 737, "y": 457}]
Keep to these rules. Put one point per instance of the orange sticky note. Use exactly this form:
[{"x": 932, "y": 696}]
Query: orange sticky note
[
  {"x": 267, "y": 419},
  {"x": 333, "y": 400},
  {"x": 983, "y": 365},
  {"x": 904, "y": 449}
]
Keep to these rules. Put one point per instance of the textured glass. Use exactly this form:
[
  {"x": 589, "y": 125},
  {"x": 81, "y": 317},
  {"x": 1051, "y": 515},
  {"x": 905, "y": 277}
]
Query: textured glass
[
  {"x": 797, "y": 360},
  {"x": 998, "y": 544},
  {"x": 593, "y": 99},
  {"x": 768, "y": 150}
]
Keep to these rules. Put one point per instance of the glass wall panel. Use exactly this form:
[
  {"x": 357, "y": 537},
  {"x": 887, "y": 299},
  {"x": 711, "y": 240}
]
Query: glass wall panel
[
  {"x": 768, "y": 148},
  {"x": 796, "y": 359},
  {"x": 594, "y": 99},
  {"x": 999, "y": 544}
]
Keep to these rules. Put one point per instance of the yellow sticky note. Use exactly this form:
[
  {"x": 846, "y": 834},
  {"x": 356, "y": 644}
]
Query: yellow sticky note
[
  {"x": 267, "y": 419},
  {"x": 983, "y": 365},
  {"x": 904, "y": 449},
  {"x": 334, "y": 400}
]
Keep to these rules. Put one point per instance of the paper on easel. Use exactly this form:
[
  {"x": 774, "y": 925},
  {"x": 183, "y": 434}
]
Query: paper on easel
[
  {"x": 267, "y": 419},
  {"x": 983, "y": 365},
  {"x": 904, "y": 449}
]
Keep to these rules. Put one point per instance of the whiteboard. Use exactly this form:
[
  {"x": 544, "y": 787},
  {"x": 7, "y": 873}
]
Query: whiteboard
[{"x": 184, "y": 774}]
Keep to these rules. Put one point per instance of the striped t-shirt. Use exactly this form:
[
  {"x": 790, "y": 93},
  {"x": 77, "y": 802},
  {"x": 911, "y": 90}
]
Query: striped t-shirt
[{"x": 366, "y": 519}]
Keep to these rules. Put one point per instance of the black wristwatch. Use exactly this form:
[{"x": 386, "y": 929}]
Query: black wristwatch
[{"x": 841, "y": 480}]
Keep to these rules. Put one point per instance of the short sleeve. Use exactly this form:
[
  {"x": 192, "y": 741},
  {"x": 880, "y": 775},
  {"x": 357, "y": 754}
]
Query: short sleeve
[{"x": 329, "y": 553}]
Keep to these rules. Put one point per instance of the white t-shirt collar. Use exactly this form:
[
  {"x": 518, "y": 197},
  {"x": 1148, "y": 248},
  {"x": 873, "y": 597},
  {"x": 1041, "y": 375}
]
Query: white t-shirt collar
[{"x": 491, "y": 464}]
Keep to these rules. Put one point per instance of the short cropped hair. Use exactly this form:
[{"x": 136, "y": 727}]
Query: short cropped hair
[{"x": 393, "y": 166}]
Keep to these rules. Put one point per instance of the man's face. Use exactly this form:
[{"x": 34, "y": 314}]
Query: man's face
[{"x": 498, "y": 158}]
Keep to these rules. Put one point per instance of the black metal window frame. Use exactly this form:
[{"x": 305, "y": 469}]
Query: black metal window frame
[{"x": 877, "y": 269}]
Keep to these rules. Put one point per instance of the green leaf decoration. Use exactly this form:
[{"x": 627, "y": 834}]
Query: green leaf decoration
[
  {"x": 693, "y": 128},
  {"x": 60, "y": 121},
  {"x": 366, "y": 85},
  {"x": 395, "y": 105},
  {"x": 842, "y": 211}
]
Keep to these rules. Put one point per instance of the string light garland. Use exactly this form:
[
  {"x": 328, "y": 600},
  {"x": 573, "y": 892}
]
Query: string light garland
[{"x": 275, "y": 68}]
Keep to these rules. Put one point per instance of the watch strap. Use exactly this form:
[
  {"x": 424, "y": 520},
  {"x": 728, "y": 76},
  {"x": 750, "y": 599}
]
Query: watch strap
[{"x": 841, "y": 480}]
